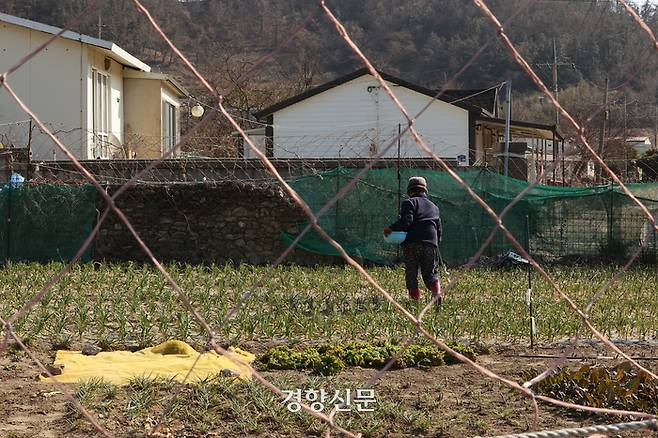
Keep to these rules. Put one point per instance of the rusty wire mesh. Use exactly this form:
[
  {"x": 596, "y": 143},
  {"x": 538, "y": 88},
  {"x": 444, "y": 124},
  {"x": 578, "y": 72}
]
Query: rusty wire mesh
[{"x": 325, "y": 12}]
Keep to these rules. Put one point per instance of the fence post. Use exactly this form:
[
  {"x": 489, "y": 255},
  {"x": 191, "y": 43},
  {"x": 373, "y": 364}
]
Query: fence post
[
  {"x": 529, "y": 294},
  {"x": 610, "y": 217},
  {"x": 399, "y": 181},
  {"x": 8, "y": 234},
  {"x": 655, "y": 247},
  {"x": 336, "y": 234}
]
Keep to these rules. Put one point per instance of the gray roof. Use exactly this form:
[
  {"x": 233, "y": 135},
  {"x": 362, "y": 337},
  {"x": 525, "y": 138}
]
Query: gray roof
[{"x": 113, "y": 50}]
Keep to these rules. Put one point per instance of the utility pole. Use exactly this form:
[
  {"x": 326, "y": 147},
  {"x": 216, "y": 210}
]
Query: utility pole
[
  {"x": 603, "y": 120},
  {"x": 100, "y": 25},
  {"x": 554, "y": 65},
  {"x": 508, "y": 116},
  {"x": 399, "y": 175},
  {"x": 624, "y": 118},
  {"x": 655, "y": 127},
  {"x": 557, "y": 112},
  {"x": 624, "y": 143}
]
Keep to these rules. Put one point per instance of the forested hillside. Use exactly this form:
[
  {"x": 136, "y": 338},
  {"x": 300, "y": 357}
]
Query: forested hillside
[{"x": 423, "y": 41}]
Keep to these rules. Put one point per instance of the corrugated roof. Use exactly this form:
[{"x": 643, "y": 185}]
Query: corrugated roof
[
  {"x": 482, "y": 98},
  {"x": 538, "y": 128},
  {"x": 116, "y": 52}
]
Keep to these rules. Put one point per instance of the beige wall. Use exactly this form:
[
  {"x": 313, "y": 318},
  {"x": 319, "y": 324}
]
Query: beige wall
[
  {"x": 56, "y": 85},
  {"x": 143, "y": 116},
  {"x": 169, "y": 94},
  {"x": 50, "y": 84}
]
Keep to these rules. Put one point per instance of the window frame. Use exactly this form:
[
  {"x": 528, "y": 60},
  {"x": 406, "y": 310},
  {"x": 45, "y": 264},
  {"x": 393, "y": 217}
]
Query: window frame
[
  {"x": 100, "y": 114},
  {"x": 170, "y": 123}
]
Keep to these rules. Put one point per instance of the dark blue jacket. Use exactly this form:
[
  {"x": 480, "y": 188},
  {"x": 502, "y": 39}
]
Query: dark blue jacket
[{"x": 419, "y": 217}]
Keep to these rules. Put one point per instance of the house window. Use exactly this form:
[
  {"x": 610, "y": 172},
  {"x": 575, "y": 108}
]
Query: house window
[
  {"x": 169, "y": 126},
  {"x": 100, "y": 92}
]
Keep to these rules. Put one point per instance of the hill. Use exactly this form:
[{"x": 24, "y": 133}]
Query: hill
[{"x": 423, "y": 41}]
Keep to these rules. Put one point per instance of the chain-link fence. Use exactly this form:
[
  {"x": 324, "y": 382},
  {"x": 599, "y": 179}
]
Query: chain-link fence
[
  {"x": 499, "y": 210},
  {"x": 597, "y": 223},
  {"x": 45, "y": 223}
]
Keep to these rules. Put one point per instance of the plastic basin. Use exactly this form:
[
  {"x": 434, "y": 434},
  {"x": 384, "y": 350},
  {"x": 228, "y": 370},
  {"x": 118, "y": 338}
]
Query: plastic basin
[{"x": 396, "y": 237}]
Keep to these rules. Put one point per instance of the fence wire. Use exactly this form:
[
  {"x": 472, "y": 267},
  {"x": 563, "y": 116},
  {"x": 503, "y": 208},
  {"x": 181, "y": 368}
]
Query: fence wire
[{"x": 415, "y": 320}]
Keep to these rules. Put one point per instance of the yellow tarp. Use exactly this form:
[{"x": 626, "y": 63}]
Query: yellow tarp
[{"x": 167, "y": 360}]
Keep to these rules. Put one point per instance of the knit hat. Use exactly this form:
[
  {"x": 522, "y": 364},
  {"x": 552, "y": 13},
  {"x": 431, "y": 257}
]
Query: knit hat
[{"x": 417, "y": 182}]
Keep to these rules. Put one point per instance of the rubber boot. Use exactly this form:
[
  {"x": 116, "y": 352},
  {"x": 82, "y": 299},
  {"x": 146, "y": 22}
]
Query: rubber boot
[
  {"x": 414, "y": 294},
  {"x": 436, "y": 291}
]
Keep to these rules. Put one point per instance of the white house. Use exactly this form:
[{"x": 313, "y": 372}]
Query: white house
[
  {"x": 353, "y": 117},
  {"x": 641, "y": 144},
  {"x": 101, "y": 101}
]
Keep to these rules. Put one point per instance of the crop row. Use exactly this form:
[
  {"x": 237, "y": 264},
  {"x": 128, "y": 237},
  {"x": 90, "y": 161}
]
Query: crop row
[{"x": 116, "y": 304}]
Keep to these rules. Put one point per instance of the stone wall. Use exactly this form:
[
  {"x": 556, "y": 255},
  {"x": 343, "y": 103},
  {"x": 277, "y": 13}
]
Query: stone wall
[{"x": 204, "y": 223}]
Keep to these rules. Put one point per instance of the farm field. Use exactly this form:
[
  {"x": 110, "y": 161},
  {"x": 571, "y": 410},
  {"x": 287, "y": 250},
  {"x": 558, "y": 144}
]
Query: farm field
[{"x": 129, "y": 306}]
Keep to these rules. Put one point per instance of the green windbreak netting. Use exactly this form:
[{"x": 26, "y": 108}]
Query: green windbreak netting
[
  {"x": 593, "y": 222},
  {"x": 45, "y": 223}
]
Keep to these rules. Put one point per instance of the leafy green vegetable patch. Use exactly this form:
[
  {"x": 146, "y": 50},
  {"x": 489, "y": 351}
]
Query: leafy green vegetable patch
[{"x": 330, "y": 359}]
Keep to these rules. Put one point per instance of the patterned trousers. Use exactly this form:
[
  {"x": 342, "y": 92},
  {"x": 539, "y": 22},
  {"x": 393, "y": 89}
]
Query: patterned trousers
[{"x": 423, "y": 256}]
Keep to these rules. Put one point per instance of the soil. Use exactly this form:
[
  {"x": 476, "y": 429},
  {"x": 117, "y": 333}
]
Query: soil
[{"x": 457, "y": 401}]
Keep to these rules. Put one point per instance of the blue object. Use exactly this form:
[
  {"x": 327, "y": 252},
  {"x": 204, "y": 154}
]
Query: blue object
[
  {"x": 16, "y": 180},
  {"x": 396, "y": 237}
]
